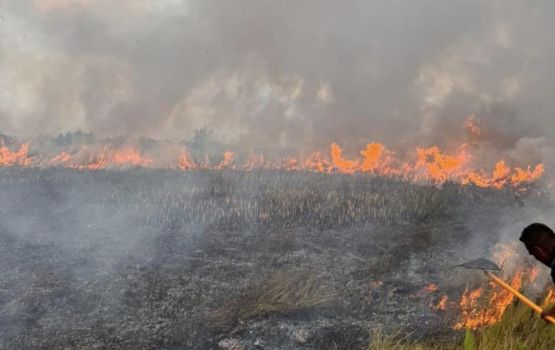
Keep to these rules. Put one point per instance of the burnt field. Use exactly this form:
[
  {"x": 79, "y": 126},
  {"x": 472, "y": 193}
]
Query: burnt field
[{"x": 160, "y": 259}]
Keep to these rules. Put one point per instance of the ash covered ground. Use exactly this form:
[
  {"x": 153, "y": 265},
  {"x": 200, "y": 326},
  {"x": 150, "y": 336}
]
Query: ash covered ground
[{"x": 156, "y": 259}]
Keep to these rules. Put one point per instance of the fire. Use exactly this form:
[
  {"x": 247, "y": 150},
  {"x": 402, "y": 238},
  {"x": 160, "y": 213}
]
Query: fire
[
  {"x": 527, "y": 175},
  {"x": 503, "y": 174},
  {"x": 442, "y": 304},
  {"x": 62, "y": 158},
  {"x": 131, "y": 157},
  {"x": 15, "y": 158},
  {"x": 317, "y": 162},
  {"x": 290, "y": 164},
  {"x": 549, "y": 298},
  {"x": 485, "y": 306},
  {"x": 226, "y": 162},
  {"x": 431, "y": 287},
  {"x": 185, "y": 161},
  {"x": 426, "y": 165},
  {"x": 429, "y": 165},
  {"x": 533, "y": 273},
  {"x": 440, "y": 167},
  {"x": 373, "y": 157},
  {"x": 502, "y": 253},
  {"x": 254, "y": 161},
  {"x": 341, "y": 164},
  {"x": 89, "y": 159},
  {"x": 476, "y": 313},
  {"x": 428, "y": 289}
]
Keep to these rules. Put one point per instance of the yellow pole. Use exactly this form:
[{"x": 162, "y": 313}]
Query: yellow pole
[{"x": 522, "y": 298}]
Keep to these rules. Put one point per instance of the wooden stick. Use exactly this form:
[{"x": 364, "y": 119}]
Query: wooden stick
[{"x": 522, "y": 298}]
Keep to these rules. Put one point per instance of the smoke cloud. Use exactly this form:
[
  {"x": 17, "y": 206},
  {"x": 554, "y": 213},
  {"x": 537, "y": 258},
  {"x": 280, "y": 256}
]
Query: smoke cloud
[{"x": 265, "y": 74}]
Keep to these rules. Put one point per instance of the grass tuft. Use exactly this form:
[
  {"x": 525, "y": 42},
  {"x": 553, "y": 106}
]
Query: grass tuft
[{"x": 282, "y": 292}]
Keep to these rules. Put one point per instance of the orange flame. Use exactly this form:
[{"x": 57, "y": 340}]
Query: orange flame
[
  {"x": 442, "y": 304},
  {"x": 549, "y": 298},
  {"x": 527, "y": 175},
  {"x": 254, "y": 161},
  {"x": 130, "y": 156},
  {"x": 17, "y": 158},
  {"x": 480, "y": 307},
  {"x": 290, "y": 164},
  {"x": 341, "y": 164},
  {"x": 430, "y": 165},
  {"x": 431, "y": 287},
  {"x": 185, "y": 161},
  {"x": 440, "y": 167},
  {"x": 317, "y": 162},
  {"x": 373, "y": 157},
  {"x": 428, "y": 289},
  {"x": 226, "y": 162},
  {"x": 475, "y": 314},
  {"x": 107, "y": 157}
]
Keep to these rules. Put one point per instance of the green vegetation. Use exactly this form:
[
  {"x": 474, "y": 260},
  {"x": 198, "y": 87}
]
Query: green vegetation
[{"x": 519, "y": 329}]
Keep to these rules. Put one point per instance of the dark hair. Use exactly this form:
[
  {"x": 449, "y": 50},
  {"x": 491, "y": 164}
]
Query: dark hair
[{"x": 537, "y": 234}]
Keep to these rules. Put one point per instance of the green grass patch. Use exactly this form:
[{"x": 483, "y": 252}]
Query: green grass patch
[{"x": 519, "y": 329}]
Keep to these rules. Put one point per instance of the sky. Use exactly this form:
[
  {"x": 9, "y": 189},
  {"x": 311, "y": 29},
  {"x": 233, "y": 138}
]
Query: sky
[{"x": 286, "y": 74}]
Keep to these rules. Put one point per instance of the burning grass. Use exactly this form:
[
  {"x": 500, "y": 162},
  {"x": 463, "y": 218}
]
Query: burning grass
[
  {"x": 422, "y": 165},
  {"x": 518, "y": 328}
]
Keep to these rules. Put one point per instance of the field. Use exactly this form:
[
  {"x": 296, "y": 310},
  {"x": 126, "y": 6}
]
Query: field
[{"x": 161, "y": 259}]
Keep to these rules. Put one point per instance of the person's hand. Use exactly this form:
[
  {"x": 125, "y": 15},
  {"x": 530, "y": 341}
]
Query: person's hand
[{"x": 548, "y": 312}]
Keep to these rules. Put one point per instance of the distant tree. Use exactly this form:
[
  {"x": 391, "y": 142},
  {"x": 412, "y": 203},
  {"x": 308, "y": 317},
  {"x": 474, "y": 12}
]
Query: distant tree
[
  {"x": 204, "y": 144},
  {"x": 147, "y": 143},
  {"x": 77, "y": 137},
  {"x": 6, "y": 140}
]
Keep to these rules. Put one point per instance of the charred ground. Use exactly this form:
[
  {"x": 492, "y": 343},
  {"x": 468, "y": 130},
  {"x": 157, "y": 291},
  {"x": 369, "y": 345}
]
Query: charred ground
[{"x": 228, "y": 259}]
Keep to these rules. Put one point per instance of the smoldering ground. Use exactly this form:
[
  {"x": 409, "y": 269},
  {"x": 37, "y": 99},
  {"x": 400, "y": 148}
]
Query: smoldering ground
[{"x": 216, "y": 259}]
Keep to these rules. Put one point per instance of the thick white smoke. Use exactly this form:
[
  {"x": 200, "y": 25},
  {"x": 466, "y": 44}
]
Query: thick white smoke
[{"x": 265, "y": 74}]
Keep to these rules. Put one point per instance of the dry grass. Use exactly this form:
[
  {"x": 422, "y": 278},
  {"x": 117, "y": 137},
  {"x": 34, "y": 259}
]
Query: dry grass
[
  {"x": 282, "y": 292},
  {"x": 277, "y": 199},
  {"x": 396, "y": 341},
  {"x": 289, "y": 291}
]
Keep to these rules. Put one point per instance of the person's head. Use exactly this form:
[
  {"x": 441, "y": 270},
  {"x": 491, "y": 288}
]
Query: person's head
[{"x": 539, "y": 240}]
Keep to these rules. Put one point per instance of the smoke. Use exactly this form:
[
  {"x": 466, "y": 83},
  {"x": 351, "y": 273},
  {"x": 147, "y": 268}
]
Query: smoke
[{"x": 267, "y": 74}]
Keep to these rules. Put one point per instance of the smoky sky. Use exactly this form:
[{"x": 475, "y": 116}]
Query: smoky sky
[{"x": 294, "y": 74}]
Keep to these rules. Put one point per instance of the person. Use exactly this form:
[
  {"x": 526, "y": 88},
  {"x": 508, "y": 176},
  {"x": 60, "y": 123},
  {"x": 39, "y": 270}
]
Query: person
[{"x": 539, "y": 240}]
